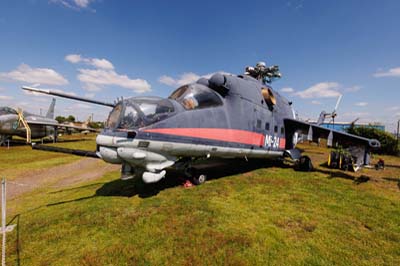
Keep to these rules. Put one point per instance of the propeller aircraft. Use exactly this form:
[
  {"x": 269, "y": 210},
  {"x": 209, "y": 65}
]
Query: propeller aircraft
[{"x": 225, "y": 116}]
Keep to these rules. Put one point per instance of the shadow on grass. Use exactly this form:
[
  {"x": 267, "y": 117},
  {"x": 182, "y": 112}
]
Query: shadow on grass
[
  {"x": 341, "y": 174},
  {"x": 392, "y": 165},
  {"x": 393, "y": 179},
  {"x": 174, "y": 178}
]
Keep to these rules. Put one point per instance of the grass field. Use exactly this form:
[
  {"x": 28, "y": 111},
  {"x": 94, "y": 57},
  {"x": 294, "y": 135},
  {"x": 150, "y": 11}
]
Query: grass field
[
  {"x": 257, "y": 215},
  {"x": 20, "y": 158}
]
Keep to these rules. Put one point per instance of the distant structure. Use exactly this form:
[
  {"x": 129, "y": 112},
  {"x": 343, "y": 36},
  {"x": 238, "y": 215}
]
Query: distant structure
[{"x": 342, "y": 126}]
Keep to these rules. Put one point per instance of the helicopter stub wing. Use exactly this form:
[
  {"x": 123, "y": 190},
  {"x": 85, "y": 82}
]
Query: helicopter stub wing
[{"x": 334, "y": 137}]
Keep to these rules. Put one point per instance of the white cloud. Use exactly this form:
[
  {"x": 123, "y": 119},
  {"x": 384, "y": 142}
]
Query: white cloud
[
  {"x": 320, "y": 90},
  {"x": 104, "y": 74},
  {"x": 167, "y": 80},
  {"x": 25, "y": 73},
  {"x": 393, "y": 108},
  {"x": 316, "y": 102},
  {"x": 93, "y": 78},
  {"x": 90, "y": 95},
  {"x": 185, "y": 78},
  {"x": 353, "y": 89},
  {"x": 77, "y": 106},
  {"x": 361, "y": 104},
  {"x": 73, "y": 58},
  {"x": 74, "y": 4},
  {"x": 393, "y": 72},
  {"x": 95, "y": 62},
  {"x": 288, "y": 90},
  {"x": 5, "y": 98}
]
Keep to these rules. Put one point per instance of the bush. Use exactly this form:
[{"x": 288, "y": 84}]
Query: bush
[{"x": 387, "y": 140}]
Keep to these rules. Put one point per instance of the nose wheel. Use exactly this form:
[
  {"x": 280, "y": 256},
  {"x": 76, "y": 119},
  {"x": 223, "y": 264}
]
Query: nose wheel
[{"x": 193, "y": 175}]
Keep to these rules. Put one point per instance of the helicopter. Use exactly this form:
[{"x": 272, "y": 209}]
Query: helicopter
[
  {"x": 225, "y": 116},
  {"x": 16, "y": 122}
]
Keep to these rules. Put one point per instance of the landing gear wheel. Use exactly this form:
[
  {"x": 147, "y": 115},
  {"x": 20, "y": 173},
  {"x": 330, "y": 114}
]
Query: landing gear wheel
[
  {"x": 305, "y": 164},
  {"x": 199, "y": 179},
  {"x": 194, "y": 176}
]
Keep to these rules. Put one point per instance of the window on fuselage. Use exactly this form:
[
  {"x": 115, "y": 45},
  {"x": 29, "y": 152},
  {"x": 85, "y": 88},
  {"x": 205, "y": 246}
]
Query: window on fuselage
[
  {"x": 276, "y": 129},
  {"x": 196, "y": 96},
  {"x": 258, "y": 123},
  {"x": 267, "y": 126}
]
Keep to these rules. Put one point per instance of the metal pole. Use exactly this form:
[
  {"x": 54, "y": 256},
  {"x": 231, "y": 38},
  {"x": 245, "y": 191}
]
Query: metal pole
[
  {"x": 3, "y": 220},
  {"x": 397, "y": 141}
]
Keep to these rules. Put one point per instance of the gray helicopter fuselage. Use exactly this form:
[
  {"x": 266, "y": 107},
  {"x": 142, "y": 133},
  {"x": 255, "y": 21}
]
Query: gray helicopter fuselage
[{"x": 237, "y": 123}]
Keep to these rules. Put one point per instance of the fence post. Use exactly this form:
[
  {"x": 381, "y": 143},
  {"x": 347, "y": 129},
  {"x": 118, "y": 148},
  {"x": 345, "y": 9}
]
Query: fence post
[{"x": 3, "y": 220}]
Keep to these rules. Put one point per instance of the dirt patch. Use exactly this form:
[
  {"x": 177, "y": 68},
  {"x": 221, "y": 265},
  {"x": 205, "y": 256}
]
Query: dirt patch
[{"x": 60, "y": 176}]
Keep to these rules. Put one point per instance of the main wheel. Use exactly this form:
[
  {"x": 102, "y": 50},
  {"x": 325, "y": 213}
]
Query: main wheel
[
  {"x": 199, "y": 179},
  {"x": 305, "y": 164}
]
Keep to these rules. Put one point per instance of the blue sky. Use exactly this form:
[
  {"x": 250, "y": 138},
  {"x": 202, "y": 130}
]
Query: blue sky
[{"x": 106, "y": 49}]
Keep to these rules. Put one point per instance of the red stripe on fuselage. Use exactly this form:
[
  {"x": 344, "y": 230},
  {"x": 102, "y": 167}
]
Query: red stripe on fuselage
[
  {"x": 221, "y": 134},
  {"x": 282, "y": 143}
]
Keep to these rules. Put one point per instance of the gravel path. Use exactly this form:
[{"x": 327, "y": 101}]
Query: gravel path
[{"x": 85, "y": 169}]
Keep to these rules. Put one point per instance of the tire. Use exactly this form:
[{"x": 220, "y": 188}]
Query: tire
[
  {"x": 305, "y": 164},
  {"x": 199, "y": 179}
]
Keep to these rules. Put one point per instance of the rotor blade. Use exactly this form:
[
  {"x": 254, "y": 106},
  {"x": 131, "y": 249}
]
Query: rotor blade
[
  {"x": 68, "y": 96},
  {"x": 337, "y": 103}
]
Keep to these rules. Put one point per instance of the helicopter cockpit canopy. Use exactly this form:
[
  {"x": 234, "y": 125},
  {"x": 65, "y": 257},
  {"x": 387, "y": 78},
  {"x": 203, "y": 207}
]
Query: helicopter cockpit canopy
[
  {"x": 196, "y": 96},
  {"x": 139, "y": 112},
  {"x": 7, "y": 111}
]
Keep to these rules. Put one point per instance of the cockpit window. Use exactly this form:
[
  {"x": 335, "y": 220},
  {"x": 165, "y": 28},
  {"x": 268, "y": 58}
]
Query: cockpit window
[
  {"x": 130, "y": 119},
  {"x": 7, "y": 111},
  {"x": 113, "y": 118},
  {"x": 139, "y": 112},
  {"x": 196, "y": 96}
]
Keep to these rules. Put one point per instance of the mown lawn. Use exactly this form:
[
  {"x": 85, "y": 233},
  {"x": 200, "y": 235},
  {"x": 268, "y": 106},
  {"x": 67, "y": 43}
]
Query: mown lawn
[
  {"x": 19, "y": 158},
  {"x": 266, "y": 216}
]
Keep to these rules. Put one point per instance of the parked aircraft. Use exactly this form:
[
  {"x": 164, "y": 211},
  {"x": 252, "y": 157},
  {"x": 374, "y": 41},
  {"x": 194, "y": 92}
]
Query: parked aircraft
[
  {"x": 30, "y": 126},
  {"x": 225, "y": 116}
]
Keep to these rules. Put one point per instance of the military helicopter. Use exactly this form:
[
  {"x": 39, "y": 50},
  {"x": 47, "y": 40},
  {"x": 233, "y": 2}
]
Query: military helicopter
[
  {"x": 225, "y": 116},
  {"x": 27, "y": 125}
]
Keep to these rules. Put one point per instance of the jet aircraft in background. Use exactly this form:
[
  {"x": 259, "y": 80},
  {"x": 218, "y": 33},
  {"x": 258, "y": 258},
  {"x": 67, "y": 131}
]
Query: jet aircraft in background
[{"x": 31, "y": 126}]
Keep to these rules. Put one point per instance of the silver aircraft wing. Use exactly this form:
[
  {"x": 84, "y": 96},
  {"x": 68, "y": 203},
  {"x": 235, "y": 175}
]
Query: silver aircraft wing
[{"x": 58, "y": 125}]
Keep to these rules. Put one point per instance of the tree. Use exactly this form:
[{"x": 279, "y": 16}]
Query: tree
[
  {"x": 60, "y": 119},
  {"x": 387, "y": 140},
  {"x": 71, "y": 118}
]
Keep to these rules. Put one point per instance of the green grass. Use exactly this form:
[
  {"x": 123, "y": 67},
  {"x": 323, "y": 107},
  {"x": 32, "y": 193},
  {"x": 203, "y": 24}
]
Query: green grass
[
  {"x": 268, "y": 216},
  {"x": 20, "y": 158}
]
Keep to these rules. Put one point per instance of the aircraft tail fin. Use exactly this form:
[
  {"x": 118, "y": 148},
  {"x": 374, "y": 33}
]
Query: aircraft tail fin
[{"x": 50, "y": 112}]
